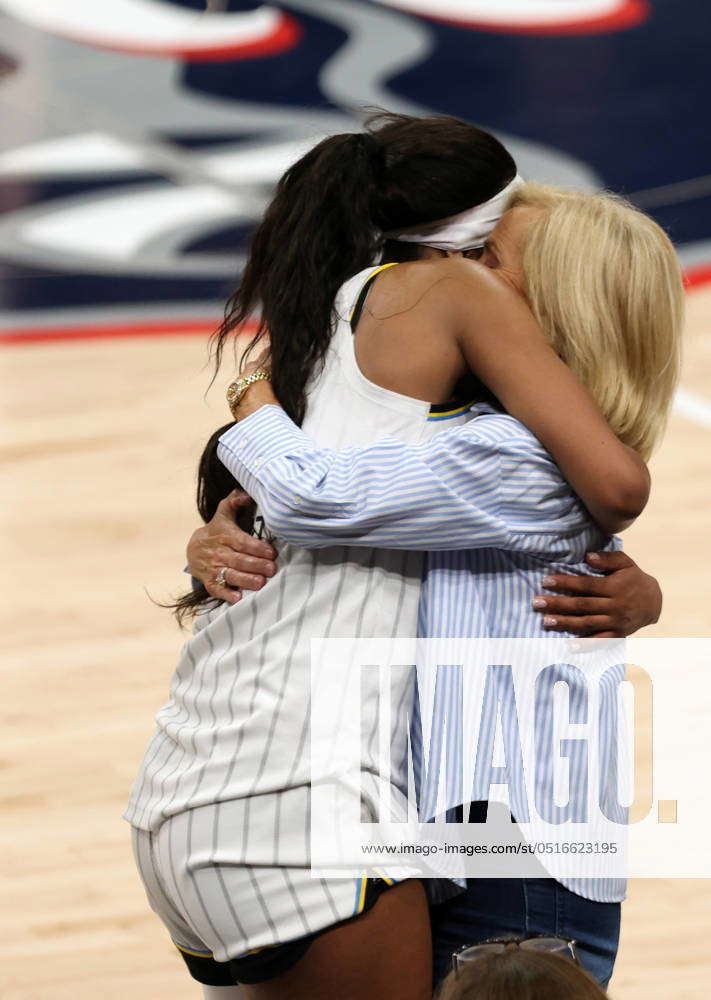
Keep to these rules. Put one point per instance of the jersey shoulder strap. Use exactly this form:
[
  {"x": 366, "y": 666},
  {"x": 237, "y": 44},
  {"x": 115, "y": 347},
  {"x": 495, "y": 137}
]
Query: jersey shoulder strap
[{"x": 363, "y": 294}]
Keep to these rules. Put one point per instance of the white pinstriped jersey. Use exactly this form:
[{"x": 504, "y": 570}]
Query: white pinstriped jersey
[{"x": 236, "y": 724}]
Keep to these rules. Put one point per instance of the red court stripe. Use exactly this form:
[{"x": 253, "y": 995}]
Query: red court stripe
[
  {"x": 286, "y": 37},
  {"x": 110, "y": 331},
  {"x": 694, "y": 277},
  {"x": 633, "y": 13}
]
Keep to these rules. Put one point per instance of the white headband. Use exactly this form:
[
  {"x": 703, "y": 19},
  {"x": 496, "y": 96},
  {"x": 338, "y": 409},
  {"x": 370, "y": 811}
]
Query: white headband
[{"x": 464, "y": 231}]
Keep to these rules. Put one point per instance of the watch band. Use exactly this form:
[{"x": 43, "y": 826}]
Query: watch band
[{"x": 237, "y": 389}]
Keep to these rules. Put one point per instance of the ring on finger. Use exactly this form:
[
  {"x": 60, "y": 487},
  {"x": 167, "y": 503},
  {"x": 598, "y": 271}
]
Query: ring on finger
[{"x": 220, "y": 579}]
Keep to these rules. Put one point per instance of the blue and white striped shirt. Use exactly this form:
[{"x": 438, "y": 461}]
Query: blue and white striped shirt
[{"x": 484, "y": 500}]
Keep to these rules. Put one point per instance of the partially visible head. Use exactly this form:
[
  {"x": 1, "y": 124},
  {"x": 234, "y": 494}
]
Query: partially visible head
[
  {"x": 327, "y": 219},
  {"x": 432, "y": 168},
  {"x": 518, "y": 974},
  {"x": 604, "y": 282}
]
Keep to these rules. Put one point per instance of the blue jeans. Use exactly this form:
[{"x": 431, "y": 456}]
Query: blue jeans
[{"x": 524, "y": 907}]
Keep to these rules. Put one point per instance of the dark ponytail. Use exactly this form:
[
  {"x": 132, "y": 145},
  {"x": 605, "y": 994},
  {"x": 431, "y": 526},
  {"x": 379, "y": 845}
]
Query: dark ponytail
[
  {"x": 325, "y": 224},
  {"x": 316, "y": 233}
]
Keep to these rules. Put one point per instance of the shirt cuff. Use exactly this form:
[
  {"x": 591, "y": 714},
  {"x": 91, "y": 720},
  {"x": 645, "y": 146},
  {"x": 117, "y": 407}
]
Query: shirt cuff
[{"x": 248, "y": 447}]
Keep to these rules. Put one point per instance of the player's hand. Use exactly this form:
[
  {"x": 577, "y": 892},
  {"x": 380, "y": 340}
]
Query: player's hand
[
  {"x": 248, "y": 561},
  {"x": 617, "y": 604}
]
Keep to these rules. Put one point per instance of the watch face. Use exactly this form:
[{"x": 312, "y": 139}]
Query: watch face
[{"x": 232, "y": 393}]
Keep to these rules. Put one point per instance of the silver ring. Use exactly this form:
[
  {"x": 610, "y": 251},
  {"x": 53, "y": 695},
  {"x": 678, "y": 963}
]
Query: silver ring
[{"x": 220, "y": 578}]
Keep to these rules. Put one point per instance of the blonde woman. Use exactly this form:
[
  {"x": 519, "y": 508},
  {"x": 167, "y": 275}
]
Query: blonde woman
[
  {"x": 604, "y": 282},
  {"x": 486, "y": 499}
]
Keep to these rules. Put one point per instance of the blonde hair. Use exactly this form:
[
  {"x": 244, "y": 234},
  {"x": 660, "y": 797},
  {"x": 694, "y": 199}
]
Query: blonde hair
[{"x": 604, "y": 282}]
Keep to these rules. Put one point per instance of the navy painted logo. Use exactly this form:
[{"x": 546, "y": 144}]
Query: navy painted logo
[{"x": 142, "y": 138}]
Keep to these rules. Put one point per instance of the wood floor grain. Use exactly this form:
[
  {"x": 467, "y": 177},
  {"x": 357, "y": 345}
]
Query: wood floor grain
[{"x": 100, "y": 442}]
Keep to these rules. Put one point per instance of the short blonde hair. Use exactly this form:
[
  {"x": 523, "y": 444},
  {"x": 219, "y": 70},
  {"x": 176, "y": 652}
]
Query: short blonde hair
[{"x": 604, "y": 282}]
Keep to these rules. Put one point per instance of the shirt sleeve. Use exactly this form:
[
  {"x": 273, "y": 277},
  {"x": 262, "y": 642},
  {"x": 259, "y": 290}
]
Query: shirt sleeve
[{"x": 462, "y": 489}]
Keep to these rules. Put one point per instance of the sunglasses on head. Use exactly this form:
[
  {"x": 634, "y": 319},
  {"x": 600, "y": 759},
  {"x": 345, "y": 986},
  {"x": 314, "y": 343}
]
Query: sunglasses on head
[{"x": 496, "y": 946}]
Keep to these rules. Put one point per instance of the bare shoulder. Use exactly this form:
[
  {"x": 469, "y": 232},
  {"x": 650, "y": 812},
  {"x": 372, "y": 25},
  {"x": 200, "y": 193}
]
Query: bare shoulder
[
  {"x": 402, "y": 287},
  {"x": 438, "y": 284}
]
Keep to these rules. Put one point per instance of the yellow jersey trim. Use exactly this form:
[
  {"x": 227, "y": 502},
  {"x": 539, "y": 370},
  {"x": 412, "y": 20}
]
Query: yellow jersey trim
[
  {"x": 195, "y": 954},
  {"x": 360, "y": 895},
  {"x": 383, "y": 267},
  {"x": 386, "y": 879},
  {"x": 448, "y": 414},
  {"x": 209, "y": 954}
]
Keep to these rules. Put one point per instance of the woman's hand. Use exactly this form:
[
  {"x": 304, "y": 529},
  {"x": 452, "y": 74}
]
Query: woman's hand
[
  {"x": 617, "y": 604},
  {"x": 222, "y": 544}
]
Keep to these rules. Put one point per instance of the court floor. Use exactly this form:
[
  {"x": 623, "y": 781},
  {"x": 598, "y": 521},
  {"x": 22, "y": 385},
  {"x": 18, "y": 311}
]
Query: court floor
[{"x": 100, "y": 440}]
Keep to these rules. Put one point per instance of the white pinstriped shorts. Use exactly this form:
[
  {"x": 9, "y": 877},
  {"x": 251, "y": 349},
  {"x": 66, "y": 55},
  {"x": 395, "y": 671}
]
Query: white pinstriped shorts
[{"x": 215, "y": 904}]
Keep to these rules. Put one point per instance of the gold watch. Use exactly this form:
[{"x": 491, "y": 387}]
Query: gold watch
[{"x": 237, "y": 389}]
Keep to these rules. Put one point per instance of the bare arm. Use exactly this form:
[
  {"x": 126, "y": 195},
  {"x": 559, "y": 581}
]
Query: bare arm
[{"x": 502, "y": 343}]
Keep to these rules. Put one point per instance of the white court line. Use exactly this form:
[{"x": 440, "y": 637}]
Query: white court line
[
  {"x": 672, "y": 194},
  {"x": 688, "y": 404}
]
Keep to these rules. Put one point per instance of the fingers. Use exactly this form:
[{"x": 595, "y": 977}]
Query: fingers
[
  {"x": 223, "y": 593},
  {"x": 238, "y": 498},
  {"x": 586, "y": 625},
  {"x": 591, "y": 586},
  {"x": 554, "y": 605},
  {"x": 234, "y": 501},
  {"x": 236, "y": 580},
  {"x": 241, "y": 561},
  {"x": 247, "y": 581},
  {"x": 608, "y": 562},
  {"x": 232, "y": 540},
  {"x": 241, "y": 570}
]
